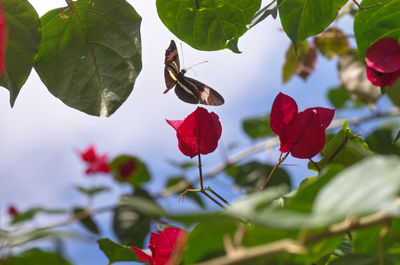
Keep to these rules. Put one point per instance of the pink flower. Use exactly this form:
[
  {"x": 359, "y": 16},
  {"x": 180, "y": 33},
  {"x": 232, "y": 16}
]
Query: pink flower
[
  {"x": 301, "y": 133},
  {"x": 383, "y": 62},
  {"x": 95, "y": 163},
  {"x": 166, "y": 247},
  {"x": 198, "y": 133}
]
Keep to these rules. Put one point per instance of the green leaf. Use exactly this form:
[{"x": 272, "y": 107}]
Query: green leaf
[
  {"x": 380, "y": 141},
  {"x": 116, "y": 252},
  {"x": 340, "y": 99},
  {"x": 263, "y": 13},
  {"x": 304, "y": 18},
  {"x": 299, "y": 62},
  {"x": 206, "y": 241},
  {"x": 394, "y": 93},
  {"x": 23, "y": 27},
  {"x": 130, "y": 169},
  {"x": 344, "y": 149},
  {"x": 89, "y": 62},
  {"x": 87, "y": 222},
  {"x": 182, "y": 165},
  {"x": 130, "y": 225},
  {"x": 358, "y": 190},
  {"x": 195, "y": 196},
  {"x": 92, "y": 191},
  {"x": 360, "y": 259},
  {"x": 397, "y": 137},
  {"x": 257, "y": 127},
  {"x": 254, "y": 174},
  {"x": 37, "y": 257},
  {"x": 31, "y": 213},
  {"x": 332, "y": 42},
  {"x": 214, "y": 25},
  {"x": 376, "y": 23}
]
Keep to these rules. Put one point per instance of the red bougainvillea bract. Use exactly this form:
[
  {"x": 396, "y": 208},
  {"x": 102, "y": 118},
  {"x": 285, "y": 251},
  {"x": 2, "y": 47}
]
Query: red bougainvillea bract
[
  {"x": 383, "y": 62},
  {"x": 12, "y": 211},
  {"x": 166, "y": 247},
  {"x": 301, "y": 133},
  {"x": 95, "y": 163},
  {"x": 198, "y": 133}
]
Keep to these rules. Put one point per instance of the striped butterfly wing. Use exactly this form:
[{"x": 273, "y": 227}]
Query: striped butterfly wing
[
  {"x": 172, "y": 66},
  {"x": 195, "y": 92}
]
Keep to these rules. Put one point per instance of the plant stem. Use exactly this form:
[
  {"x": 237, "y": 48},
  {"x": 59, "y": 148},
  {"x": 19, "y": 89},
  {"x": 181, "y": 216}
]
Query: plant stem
[
  {"x": 280, "y": 160},
  {"x": 200, "y": 171},
  {"x": 212, "y": 198},
  {"x": 216, "y": 194},
  {"x": 197, "y": 4}
]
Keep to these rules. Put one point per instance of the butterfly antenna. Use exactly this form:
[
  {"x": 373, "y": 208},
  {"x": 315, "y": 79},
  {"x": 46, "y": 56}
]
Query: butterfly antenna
[
  {"x": 183, "y": 58},
  {"x": 194, "y": 66}
]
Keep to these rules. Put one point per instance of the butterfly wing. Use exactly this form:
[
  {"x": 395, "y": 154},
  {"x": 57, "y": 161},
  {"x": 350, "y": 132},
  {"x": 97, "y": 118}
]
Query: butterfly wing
[
  {"x": 172, "y": 66},
  {"x": 192, "y": 91}
]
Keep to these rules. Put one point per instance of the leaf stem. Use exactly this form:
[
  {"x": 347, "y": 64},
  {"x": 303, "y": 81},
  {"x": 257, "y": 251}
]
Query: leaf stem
[
  {"x": 366, "y": 7},
  {"x": 200, "y": 171},
  {"x": 216, "y": 194},
  {"x": 280, "y": 160}
]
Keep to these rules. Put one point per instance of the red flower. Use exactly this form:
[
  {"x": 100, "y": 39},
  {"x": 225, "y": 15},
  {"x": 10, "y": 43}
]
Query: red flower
[
  {"x": 301, "y": 133},
  {"x": 95, "y": 163},
  {"x": 126, "y": 169},
  {"x": 198, "y": 133},
  {"x": 166, "y": 247},
  {"x": 12, "y": 211},
  {"x": 383, "y": 62},
  {"x": 3, "y": 39}
]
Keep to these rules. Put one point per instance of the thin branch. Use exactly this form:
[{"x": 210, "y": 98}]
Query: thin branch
[{"x": 366, "y": 7}]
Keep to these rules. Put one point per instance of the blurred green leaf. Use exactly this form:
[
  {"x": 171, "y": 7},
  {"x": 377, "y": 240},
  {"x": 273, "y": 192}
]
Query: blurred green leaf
[
  {"x": 31, "y": 213},
  {"x": 92, "y": 191},
  {"x": 116, "y": 252},
  {"x": 344, "y": 149},
  {"x": 195, "y": 196},
  {"x": 299, "y": 62},
  {"x": 182, "y": 165},
  {"x": 87, "y": 222},
  {"x": 37, "y": 257},
  {"x": 380, "y": 141},
  {"x": 130, "y": 169},
  {"x": 130, "y": 225},
  {"x": 340, "y": 99},
  {"x": 88, "y": 62},
  {"x": 213, "y": 25},
  {"x": 257, "y": 127},
  {"x": 332, "y": 42},
  {"x": 375, "y": 23},
  {"x": 206, "y": 241},
  {"x": 304, "y": 18},
  {"x": 394, "y": 93},
  {"x": 360, "y": 259},
  {"x": 263, "y": 13},
  {"x": 23, "y": 27},
  {"x": 397, "y": 137},
  {"x": 254, "y": 174}
]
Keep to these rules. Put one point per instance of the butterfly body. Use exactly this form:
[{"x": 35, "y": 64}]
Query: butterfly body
[{"x": 187, "y": 89}]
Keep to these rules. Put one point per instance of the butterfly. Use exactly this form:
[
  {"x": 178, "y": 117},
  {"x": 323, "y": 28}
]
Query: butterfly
[{"x": 187, "y": 89}]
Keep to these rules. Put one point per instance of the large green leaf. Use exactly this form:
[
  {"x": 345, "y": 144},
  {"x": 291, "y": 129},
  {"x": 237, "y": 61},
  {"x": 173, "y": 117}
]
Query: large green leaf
[
  {"x": 304, "y": 18},
  {"x": 116, "y": 252},
  {"x": 23, "y": 43},
  {"x": 263, "y": 13},
  {"x": 360, "y": 259},
  {"x": 130, "y": 169},
  {"x": 90, "y": 59},
  {"x": 213, "y": 25},
  {"x": 36, "y": 257},
  {"x": 381, "y": 141},
  {"x": 344, "y": 149},
  {"x": 376, "y": 23}
]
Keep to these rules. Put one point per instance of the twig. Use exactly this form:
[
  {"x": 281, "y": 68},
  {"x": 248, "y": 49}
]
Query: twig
[
  {"x": 216, "y": 194},
  {"x": 366, "y": 7},
  {"x": 280, "y": 160}
]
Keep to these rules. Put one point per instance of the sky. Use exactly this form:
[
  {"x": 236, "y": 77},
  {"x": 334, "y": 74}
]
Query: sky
[{"x": 40, "y": 137}]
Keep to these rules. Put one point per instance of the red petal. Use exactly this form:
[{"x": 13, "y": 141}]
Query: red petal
[
  {"x": 166, "y": 245},
  {"x": 382, "y": 79},
  {"x": 153, "y": 241},
  {"x": 199, "y": 129},
  {"x": 283, "y": 110},
  {"x": 3, "y": 39},
  {"x": 143, "y": 256},
  {"x": 304, "y": 136},
  {"x": 384, "y": 55},
  {"x": 89, "y": 155},
  {"x": 175, "y": 124},
  {"x": 12, "y": 211}
]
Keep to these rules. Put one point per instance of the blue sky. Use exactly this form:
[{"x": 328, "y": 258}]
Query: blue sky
[{"x": 40, "y": 136}]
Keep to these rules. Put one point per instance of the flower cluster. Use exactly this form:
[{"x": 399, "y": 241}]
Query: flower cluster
[
  {"x": 198, "y": 133},
  {"x": 383, "y": 62},
  {"x": 301, "y": 133},
  {"x": 95, "y": 163},
  {"x": 166, "y": 247}
]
